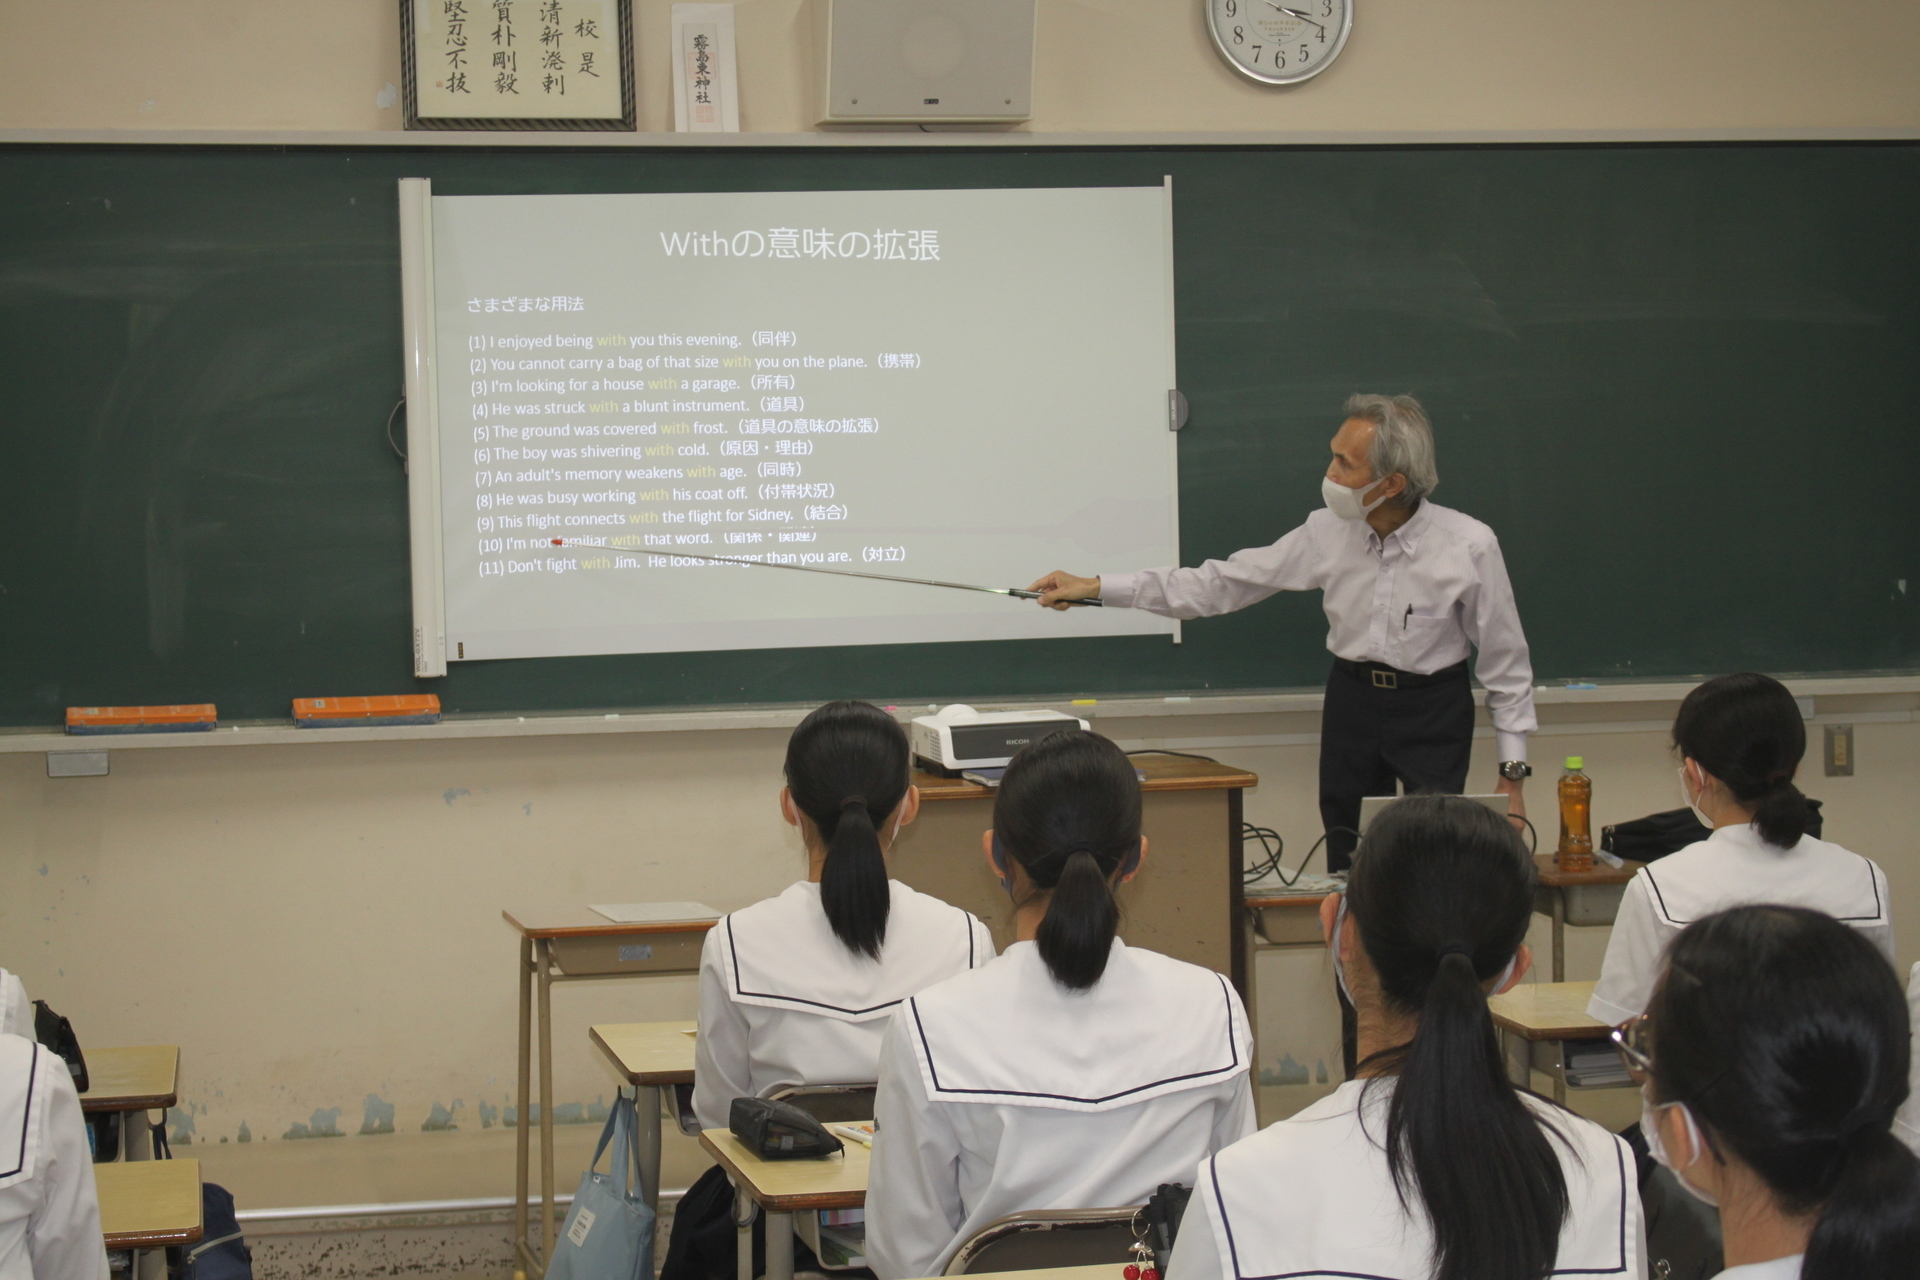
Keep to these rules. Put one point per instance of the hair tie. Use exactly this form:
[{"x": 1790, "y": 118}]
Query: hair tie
[
  {"x": 1079, "y": 846},
  {"x": 1456, "y": 949},
  {"x": 852, "y": 801}
]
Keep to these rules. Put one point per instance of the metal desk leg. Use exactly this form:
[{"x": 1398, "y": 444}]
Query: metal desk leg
[
  {"x": 549, "y": 1228},
  {"x": 523, "y": 1252},
  {"x": 1560, "y": 936},
  {"x": 646, "y": 1100},
  {"x": 1560, "y": 1072},
  {"x": 779, "y": 1246},
  {"x": 744, "y": 1210}
]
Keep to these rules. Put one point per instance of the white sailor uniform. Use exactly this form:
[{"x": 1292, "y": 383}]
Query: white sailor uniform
[
  {"x": 1001, "y": 1091},
  {"x": 1313, "y": 1196},
  {"x": 783, "y": 1001},
  {"x": 16, "y": 1011},
  {"x": 49, "y": 1214},
  {"x": 1732, "y": 867}
]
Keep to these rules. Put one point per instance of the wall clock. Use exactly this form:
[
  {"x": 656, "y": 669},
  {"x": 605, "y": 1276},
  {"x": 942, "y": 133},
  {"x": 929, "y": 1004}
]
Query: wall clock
[{"x": 1279, "y": 41}]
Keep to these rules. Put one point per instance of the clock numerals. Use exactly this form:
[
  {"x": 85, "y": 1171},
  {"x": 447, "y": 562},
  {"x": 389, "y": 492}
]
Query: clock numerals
[{"x": 1283, "y": 47}]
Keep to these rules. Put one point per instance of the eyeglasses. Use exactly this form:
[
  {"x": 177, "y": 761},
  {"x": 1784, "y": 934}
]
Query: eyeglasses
[{"x": 1633, "y": 1039}]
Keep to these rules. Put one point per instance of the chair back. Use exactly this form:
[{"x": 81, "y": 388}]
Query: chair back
[
  {"x": 1049, "y": 1238},
  {"x": 830, "y": 1103}
]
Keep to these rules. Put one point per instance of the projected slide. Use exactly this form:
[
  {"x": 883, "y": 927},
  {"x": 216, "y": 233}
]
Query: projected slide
[{"x": 959, "y": 385}]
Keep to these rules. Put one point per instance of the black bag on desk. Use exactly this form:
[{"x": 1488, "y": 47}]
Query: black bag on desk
[
  {"x": 56, "y": 1033},
  {"x": 1652, "y": 838}
]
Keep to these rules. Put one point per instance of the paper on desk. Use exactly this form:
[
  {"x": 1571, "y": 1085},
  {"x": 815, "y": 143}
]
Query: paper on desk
[{"x": 654, "y": 912}]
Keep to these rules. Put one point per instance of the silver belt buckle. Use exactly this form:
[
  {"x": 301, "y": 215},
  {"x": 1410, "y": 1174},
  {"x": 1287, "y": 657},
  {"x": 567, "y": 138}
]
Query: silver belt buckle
[{"x": 1385, "y": 679}]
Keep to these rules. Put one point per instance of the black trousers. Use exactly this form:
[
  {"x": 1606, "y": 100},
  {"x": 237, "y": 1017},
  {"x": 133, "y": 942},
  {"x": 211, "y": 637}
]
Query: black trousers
[{"x": 1371, "y": 738}]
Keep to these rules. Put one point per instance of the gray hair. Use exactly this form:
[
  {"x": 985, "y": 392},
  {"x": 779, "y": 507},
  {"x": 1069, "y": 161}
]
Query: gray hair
[{"x": 1402, "y": 442}]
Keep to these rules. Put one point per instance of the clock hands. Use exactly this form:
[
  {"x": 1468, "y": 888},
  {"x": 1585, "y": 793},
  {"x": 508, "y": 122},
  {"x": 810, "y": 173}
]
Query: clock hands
[{"x": 1294, "y": 13}]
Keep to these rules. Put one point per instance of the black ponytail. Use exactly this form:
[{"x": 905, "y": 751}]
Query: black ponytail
[
  {"x": 847, "y": 771},
  {"x": 1786, "y": 1034},
  {"x": 1068, "y": 811},
  {"x": 1441, "y": 892},
  {"x": 1746, "y": 730}
]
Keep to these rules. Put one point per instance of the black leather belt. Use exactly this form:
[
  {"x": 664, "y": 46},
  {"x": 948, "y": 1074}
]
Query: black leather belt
[{"x": 1382, "y": 676}]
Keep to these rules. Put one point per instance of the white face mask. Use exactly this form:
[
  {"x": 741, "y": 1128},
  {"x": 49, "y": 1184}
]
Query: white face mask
[
  {"x": 1345, "y": 502},
  {"x": 1693, "y": 801},
  {"x": 1650, "y": 1130},
  {"x": 1340, "y": 970}
]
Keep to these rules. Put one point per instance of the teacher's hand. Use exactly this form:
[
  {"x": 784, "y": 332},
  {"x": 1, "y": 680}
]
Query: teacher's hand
[{"x": 1058, "y": 587}]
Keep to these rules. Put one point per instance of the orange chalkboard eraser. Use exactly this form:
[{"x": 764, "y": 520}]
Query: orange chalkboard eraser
[
  {"x": 192, "y": 717},
  {"x": 401, "y": 708}
]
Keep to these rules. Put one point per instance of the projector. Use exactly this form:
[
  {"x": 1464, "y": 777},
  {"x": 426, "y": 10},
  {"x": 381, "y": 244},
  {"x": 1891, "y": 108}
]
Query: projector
[{"x": 958, "y": 738}]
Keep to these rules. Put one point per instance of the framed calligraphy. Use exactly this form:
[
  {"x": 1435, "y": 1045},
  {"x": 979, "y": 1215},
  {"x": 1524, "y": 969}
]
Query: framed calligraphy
[{"x": 518, "y": 64}]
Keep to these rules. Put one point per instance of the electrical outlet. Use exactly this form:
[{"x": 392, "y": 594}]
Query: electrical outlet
[{"x": 1839, "y": 751}]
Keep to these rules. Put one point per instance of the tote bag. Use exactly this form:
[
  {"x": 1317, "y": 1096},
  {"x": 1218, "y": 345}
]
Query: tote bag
[{"x": 608, "y": 1234}]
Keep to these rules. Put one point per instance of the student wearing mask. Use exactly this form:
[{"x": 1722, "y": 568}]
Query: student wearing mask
[
  {"x": 1431, "y": 1164},
  {"x": 1073, "y": 1072},
  {"x": 1740, "y": 739},
  {"x": 49, "y": 1213},
  {"x": 1772, "y": 1059},
  {"x": 797, "y": 989}
]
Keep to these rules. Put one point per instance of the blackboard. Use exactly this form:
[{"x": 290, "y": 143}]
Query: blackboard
[{"x": 1678, "y": 381}]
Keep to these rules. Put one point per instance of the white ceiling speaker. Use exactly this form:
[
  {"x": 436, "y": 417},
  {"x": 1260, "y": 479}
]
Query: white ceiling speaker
[{"x": 924, "y": 61}]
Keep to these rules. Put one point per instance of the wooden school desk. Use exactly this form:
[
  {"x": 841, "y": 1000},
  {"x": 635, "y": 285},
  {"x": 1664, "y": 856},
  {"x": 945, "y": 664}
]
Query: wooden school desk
[
  {"x": 132, "y": 1081},
  {"x": 1578, "y": 897},
  {"x": 565, "y": 946},
  {"x": 1186, "y": 901},
  {"x": 783, "y": 1187},
  {"x": 647, "y": 1056},
  {"x": 148, "y": 1204},
  {"x": 1535, "y": 1019}
]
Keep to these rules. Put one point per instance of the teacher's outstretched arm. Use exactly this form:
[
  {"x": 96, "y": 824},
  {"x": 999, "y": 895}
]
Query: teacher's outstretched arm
[{"x": 1059, "y": 587}]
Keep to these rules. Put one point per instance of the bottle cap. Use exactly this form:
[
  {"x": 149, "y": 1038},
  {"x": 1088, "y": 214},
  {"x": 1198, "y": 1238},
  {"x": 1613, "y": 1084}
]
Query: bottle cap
[{"x": 1576, "y": 762}]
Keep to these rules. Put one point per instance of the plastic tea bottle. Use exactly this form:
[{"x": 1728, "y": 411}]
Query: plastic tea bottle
[{"x": 1576, "y": 818}]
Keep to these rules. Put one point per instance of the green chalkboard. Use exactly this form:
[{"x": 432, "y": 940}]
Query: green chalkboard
[{"x": 1678, "y": 381}]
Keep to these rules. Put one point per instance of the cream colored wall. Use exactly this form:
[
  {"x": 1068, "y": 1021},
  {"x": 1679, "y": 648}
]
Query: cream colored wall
[{"x": 1100, "y": 65}]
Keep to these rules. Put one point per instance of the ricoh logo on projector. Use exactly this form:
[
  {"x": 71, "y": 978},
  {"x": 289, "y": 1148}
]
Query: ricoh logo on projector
[{"x": 924, "y": 61}]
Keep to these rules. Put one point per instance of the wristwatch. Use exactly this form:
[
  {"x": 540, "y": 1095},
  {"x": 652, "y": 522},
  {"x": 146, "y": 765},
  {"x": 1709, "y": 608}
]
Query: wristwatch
[{"x": 1515, "y": 770}]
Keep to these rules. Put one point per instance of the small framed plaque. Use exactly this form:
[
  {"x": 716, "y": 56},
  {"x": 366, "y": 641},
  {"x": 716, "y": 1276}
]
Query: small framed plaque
[{"x": 518, "y": 64}]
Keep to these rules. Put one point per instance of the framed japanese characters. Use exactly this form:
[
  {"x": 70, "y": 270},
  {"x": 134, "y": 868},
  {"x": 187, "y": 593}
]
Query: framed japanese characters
[{"x": 518, "y": 64}]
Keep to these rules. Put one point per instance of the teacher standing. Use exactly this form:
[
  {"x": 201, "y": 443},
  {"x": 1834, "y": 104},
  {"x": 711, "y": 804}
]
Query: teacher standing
[{"x": 1409, "y": 587}]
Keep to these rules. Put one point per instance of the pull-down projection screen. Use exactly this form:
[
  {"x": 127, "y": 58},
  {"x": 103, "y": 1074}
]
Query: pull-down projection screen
[{"x": 961, "y": 385}]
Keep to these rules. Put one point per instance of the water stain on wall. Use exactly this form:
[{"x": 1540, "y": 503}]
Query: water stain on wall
[
  {"x": 440, "y": 1119},
  {"x": 376, "y": 1115},
  {"x": 324, "y": 1124}
]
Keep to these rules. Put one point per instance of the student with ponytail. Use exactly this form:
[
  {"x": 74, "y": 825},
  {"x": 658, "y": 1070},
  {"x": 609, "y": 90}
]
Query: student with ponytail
[
  {"x": 797, "y": 989},
  {"x": 1430, "y": 1164},
  {"x": 1074, "y": 1072},
  {"x": 1739, "y": 739},
  {"x": 1772, "y": 1060}
]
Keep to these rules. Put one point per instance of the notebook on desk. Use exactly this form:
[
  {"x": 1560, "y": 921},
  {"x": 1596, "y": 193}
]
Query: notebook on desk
[{"x": 654, "y": 912}]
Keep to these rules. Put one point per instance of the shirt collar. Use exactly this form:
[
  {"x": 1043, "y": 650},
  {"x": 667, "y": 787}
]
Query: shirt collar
[{"x": 1408, "y": 533}]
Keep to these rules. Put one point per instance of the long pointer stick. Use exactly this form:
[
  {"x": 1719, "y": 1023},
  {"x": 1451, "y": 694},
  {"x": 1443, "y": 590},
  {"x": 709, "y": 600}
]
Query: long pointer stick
[{"x": 1019, "y": 593}]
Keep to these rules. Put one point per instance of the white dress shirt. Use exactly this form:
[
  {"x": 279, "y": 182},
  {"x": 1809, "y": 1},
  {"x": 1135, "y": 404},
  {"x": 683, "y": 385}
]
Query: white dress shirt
[
  {"x": 1733, "y": 867},
  {"x": 49, "y": 1211},
  {"x": 783, "y": 1001},
  {"x": 1313, "y": 1196},
  {"x": 1416, "y": 602},
  {"x": 1001, "y": 1091}
]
